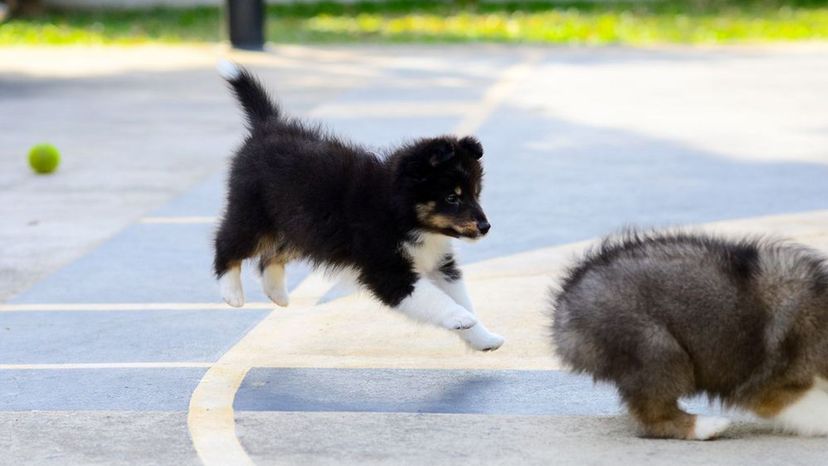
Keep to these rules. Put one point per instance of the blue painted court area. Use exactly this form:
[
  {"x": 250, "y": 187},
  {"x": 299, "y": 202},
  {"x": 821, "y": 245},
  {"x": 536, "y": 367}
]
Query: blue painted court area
[
  {"x": 108, "y": 389},
  {"x": 159, "y": 263},
  {"x": 122, "y": 336}
]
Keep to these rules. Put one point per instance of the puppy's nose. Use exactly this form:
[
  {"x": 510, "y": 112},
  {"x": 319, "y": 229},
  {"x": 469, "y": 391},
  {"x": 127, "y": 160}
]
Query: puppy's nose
[{"x": 484, "y": 227}]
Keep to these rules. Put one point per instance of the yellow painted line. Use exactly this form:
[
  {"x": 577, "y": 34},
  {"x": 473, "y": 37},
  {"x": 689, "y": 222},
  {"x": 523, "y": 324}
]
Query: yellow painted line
[
  {"x": 210, "y": 417},
  {"x": 103, "y": 307},
  {"x": 497, "y": 94},
  {"x": 108, "y": 365},
  {"x": 179, "y": 220}
]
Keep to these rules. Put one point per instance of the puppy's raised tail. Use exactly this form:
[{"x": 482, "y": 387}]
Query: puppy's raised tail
[{"x": 257, "y": 104}]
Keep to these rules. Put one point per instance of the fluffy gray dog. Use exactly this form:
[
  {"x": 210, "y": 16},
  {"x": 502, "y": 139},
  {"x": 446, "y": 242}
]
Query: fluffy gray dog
[{"x": 664, "y": 316}]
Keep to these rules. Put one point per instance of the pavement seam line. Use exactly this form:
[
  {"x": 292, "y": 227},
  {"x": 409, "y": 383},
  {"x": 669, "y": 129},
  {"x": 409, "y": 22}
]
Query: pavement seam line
[
  {"x": 103, "y": 307},
  {"x": 186, "y": 220},
  {"x": 108, "y": 365}
]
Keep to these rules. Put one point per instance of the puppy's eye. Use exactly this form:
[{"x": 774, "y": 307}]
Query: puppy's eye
[{"x": 453, "y": 199}]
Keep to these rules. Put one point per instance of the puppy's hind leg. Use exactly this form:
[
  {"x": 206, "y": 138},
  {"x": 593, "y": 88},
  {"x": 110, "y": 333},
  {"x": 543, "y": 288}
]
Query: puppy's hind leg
[
  {"x": 662, "y": 418},
  {"x": 802, "y": 411},
  {"x": 231, "y": 286},
  {"x": 652, "y": 374},
  {"x": 235, "y": 241},
  {"x": 274, "y": 281}
]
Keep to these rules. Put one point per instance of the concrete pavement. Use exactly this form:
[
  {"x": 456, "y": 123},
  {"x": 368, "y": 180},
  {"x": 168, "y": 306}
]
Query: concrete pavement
[{"x": 123, "y": 354}]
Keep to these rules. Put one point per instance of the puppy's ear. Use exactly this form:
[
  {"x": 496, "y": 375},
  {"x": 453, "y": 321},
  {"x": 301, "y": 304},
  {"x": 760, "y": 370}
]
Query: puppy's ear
[
  {"x": 441, "y": 152},
  {"x": 471, "y": 144}
]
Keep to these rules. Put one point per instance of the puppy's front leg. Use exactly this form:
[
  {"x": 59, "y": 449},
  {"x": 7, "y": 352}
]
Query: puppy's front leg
[
  {"x": 427, "y": 303},
  {"x": 449, "y": 279},
  {"x": 399, "y": 287}
]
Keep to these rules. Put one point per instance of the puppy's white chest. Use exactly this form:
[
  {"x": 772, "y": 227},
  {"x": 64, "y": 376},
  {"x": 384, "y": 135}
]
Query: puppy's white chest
[{"x": 429, "y": 251}]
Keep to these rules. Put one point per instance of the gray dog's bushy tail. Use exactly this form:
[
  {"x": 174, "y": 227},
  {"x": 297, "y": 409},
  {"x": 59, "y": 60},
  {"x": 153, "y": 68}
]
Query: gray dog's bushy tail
[{"x": 257, "y": 104}]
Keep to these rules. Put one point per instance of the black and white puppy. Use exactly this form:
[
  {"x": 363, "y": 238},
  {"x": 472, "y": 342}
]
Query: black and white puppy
[{"x": 297, "y": 192}]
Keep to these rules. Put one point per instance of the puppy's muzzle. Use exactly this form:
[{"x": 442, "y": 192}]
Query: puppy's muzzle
[{"x": 473, "y": 230}]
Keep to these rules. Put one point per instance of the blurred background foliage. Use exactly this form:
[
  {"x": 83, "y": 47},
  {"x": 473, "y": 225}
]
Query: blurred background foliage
[{"x": 640, "y": 22}]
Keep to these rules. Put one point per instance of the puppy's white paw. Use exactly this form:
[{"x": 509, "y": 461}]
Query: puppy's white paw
[
  {"x": 233, "y": 298},
  {"x": 273, "y": 284},
  {"x": 492, "y": 342},
  {"x": 231, "y": 289},
  {"x": 279, "y": 297},
  {"x": 481, "y": 339},
  {"x": 277, "y": 293},
  {"x": 459, "y": 319},
  {"x": 708, "y": 427}
]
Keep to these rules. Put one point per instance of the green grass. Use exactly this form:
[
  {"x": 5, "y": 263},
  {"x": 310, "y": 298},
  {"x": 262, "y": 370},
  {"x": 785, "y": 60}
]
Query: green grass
[{"x": 643, "y": 22}]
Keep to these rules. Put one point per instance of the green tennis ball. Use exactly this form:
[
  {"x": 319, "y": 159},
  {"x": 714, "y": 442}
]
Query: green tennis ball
[{"x": 44, "y": 158}]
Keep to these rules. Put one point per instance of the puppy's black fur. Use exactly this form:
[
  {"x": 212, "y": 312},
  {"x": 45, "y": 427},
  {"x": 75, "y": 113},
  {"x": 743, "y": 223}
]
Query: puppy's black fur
[{"x": 298, "y": 192}]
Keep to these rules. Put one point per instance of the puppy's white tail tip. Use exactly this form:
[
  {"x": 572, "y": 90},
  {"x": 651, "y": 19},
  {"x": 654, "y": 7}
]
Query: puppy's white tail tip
[{"x": 228, "y": 70}]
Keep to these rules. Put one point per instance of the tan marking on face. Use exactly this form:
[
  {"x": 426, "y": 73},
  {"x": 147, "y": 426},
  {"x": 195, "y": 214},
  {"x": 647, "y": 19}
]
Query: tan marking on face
[
  {"x": 458, "y": 191},
  {"x": 426, "y": 215},
  {"x": 424, "y": 211},
  {"x": 467, "y": 228},
  {"x": 441, "y": 221}
]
